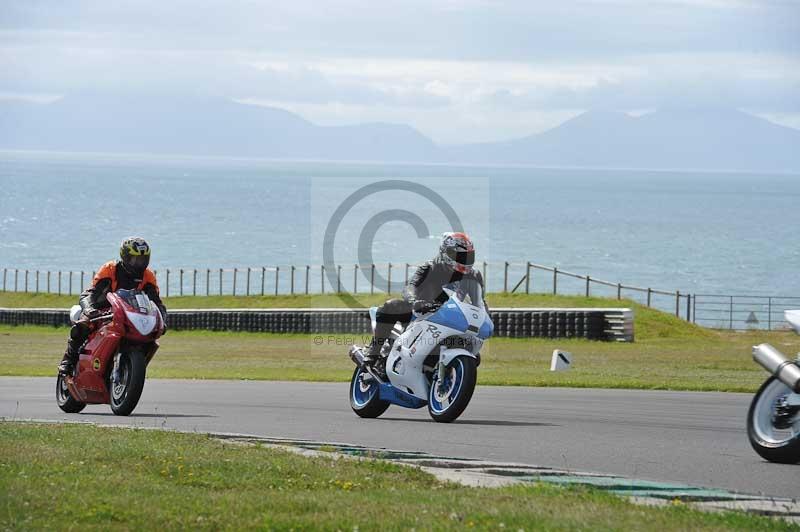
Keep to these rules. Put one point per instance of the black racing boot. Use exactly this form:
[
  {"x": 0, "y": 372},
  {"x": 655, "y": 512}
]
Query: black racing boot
[
  {"x": 67, "y": 365},
  {"x": 373, "y": 351}
]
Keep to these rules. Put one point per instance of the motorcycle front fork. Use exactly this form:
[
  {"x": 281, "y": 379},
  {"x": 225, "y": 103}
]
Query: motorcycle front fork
[{"x": 115, "y": 370}]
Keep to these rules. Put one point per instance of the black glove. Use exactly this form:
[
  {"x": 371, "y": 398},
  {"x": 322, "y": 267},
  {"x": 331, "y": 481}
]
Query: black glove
[
  {"x": 423, "y": 307},
  {"x": 92, "y": 312}
]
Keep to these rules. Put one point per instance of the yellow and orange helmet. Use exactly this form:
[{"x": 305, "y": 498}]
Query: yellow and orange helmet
[{"x": 135, "y": 254}]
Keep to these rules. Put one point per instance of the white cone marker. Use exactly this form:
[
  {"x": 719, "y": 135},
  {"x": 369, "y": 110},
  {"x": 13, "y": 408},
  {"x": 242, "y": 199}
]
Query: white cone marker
[{"x": 562, "y": 360}]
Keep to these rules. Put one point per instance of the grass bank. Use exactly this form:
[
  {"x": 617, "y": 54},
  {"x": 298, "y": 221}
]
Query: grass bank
[
  {"x": 648, "y": 322},
  {"x": 706, "y": 361},
  {"x": 669, "y": 353},
  {"x": 78, "y": 476}
]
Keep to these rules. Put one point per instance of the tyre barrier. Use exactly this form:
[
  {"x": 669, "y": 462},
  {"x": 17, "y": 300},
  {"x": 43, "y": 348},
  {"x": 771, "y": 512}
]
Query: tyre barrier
[{"x": 614, "y": 324}]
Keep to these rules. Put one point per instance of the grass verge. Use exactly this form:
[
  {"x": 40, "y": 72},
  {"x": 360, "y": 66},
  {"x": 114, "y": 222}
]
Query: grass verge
[
  {"x": 669, "y": 353},
  {"x": 92, "y": 478},
  {"x": 711, "y": 362},
  {"x": 648, "y": 321}
]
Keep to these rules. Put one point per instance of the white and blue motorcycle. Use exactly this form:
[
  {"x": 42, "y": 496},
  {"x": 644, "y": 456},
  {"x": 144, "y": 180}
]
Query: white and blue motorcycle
[{"x": 433, "y": 362}]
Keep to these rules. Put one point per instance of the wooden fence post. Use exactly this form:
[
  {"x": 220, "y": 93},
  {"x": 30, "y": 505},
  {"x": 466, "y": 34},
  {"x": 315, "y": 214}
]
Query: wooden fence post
[
  {"x": 688, "y": 307},
  {"x": 263, "y": 275},
  {"x": 527, "y": 277},
  {"x": 555, "y": 280}
]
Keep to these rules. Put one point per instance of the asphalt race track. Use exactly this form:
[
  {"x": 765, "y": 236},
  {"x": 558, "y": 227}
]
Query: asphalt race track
[{"x": 694, "y": 438}]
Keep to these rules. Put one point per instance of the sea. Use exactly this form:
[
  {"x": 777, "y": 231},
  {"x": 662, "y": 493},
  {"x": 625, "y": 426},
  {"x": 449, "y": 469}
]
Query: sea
[{"x": 697, "y": 232}]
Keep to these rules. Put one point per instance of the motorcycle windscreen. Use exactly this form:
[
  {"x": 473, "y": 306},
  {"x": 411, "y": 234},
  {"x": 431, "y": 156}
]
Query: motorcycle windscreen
[
  {"x": 144, "y": 323},
  {"x": 467, "y": 290},
  {"x": 137, "y": 300}
]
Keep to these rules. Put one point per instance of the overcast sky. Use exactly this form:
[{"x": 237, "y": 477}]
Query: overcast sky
[{"x": 457, "y": 70}]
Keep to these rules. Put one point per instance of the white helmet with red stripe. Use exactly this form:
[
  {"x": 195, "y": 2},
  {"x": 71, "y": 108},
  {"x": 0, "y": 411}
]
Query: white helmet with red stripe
[{"x": 457, "y": 252}]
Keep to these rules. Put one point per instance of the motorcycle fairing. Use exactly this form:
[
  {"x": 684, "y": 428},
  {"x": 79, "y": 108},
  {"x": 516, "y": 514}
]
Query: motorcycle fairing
[
  {"x": 404, "y": 364},
  {"x": 450, "y": 315},
  {"x": 396, "y": 396},
  {"x": 94, "y": 363}
]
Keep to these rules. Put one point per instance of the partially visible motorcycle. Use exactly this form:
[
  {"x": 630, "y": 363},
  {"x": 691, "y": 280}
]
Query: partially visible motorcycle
[
  {"x": 112, "y": 365},
  {"x": 773, "y": 422}
]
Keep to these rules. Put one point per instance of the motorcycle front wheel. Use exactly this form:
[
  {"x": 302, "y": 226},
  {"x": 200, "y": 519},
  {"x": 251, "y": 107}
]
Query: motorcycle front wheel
[
  {"x": 364, "y": 398},
  {"x": 126, "y": 392},
  {"x": 774, "y": 435},
  {"x": 64, "y": 399},
  {"x": 448, "y": 399}
]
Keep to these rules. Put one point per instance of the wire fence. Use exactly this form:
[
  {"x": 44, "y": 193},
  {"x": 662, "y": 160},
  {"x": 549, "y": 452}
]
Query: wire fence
[
  {"x": 715, "y": 311},
  {"x": 742, "y": 312}
]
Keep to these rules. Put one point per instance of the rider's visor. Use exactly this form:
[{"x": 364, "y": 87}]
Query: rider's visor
[
  {"x": 138, "y": 262},
  {"x": 466, "y": 258}
]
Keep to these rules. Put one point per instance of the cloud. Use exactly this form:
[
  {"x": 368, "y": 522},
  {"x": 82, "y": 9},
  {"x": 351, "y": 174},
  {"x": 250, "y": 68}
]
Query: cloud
[
  {"x": 449, "y": 67},
  {"x": 702, "y": 80},
  {"x": 446, "y": 30}
]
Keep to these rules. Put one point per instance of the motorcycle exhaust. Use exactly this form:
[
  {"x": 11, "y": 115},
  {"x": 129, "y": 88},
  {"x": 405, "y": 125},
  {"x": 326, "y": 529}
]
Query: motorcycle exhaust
[
  {"x": 785, "y": 370},
  {"x": 357, "y": 356}
]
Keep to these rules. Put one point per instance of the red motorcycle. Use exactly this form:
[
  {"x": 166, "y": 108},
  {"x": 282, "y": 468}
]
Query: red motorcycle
[{"x": 112, "y": 364}]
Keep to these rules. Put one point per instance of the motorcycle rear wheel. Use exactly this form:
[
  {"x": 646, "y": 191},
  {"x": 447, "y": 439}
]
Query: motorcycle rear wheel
[
  {"x": 364, "y": 397},
  {"x": 64, "y": 399},
  {"x": 126, "y": 393},
  {"x": 448, "y": 400},
  {"x": 772, "y": 443}
]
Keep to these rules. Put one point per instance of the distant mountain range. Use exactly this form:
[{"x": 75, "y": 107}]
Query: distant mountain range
[{"x": 717, "y": 139}]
